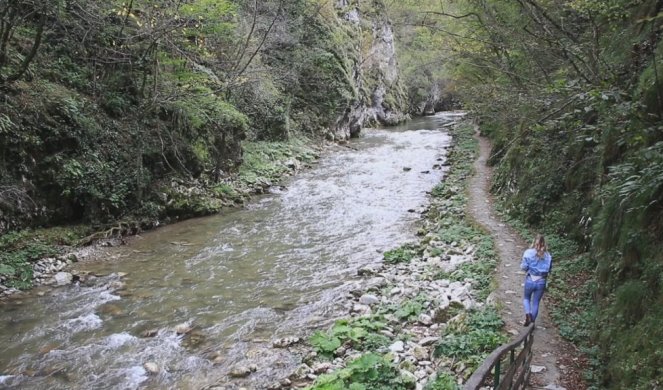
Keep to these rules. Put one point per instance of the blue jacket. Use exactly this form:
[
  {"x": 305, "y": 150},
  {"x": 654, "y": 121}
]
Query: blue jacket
[{"x": 535, "y": 265}]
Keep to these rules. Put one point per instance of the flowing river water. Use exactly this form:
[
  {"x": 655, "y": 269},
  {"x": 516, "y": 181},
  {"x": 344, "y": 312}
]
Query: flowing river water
[{"x": 237, "y": 281}]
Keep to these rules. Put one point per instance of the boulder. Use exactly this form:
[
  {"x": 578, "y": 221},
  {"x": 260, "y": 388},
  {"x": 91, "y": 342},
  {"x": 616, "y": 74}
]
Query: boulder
[
  {"x": 63, "y": 278},
  {"x": 369, "y": 299},
  {"x": 398, "y": 346}
]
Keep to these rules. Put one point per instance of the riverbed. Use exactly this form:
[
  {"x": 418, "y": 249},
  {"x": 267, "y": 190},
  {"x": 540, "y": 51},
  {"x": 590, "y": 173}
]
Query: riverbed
[{"x": 181, "y": 306}]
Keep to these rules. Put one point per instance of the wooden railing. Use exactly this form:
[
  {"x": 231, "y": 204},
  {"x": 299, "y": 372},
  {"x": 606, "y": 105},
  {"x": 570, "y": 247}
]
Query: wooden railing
[{"x": 511, "y": 364}]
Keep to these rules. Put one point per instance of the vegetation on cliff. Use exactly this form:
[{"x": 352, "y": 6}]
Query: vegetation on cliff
[{"x": 142, "y": 111}]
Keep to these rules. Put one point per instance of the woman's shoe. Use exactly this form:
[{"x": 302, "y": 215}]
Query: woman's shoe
[{"x": 528, "y": 319}]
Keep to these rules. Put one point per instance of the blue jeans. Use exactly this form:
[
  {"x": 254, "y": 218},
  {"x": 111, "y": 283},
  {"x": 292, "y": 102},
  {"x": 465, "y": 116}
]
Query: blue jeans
[{"x": 533, "y": 293}]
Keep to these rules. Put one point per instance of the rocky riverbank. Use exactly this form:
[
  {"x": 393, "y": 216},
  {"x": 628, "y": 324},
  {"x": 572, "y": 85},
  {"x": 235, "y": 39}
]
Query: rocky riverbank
[{"x": 422, "y": 318}]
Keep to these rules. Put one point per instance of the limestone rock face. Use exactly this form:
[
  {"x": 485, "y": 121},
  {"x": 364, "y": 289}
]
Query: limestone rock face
[{"x": 379, "y": 96}]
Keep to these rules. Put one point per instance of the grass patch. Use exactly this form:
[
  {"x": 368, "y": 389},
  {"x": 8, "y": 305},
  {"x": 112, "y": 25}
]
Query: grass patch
[
  {"x": 408, "y": 310},
  {"x": 403, "y": 254},
  {"x": 18, "y": 250},
  {"x": 264, "y": 160},
  {"x": 470, "y": 339}
]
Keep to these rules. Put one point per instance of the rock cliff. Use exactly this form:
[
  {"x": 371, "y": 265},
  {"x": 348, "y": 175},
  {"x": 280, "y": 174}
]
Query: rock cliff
[{"x": 379, "y": 96}]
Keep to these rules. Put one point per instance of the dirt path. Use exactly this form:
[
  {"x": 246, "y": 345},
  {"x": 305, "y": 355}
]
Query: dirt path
[{"x": 550, "y": 352}]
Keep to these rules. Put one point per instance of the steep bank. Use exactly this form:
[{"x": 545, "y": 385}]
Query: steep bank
[
  {"x": 570, "y": 94},
  {"x": 117, "y": 119}
]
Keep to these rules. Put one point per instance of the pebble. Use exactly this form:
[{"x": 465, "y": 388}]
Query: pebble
[
  {"x": 241, "y": 372},
  {"x": 537, "y": 369},
  {"x": 426, "y": 341},
  {"x": 398, "y": 346},
  {"x": 425, "y": 319},
  {"x": 285, "y": 342}
]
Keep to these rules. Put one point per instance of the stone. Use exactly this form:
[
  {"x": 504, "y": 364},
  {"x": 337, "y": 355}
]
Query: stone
[
  {"x": 369, "y": 270},
  {"x": 406, "y": 169},
  {"x": 420, "y": 353},
  {"x": 183, "y": 328},
  {"x": 241, "y": 372},
  {"x": 369, "y": 299},
  {"x": 361, "y": 309},
  {"x": 321, "y": 368},
  {"x": 63, "y": 278},
  {"x": 151, "y": 367},
  {"x": 425, "y": 319},
  {"x": 537, "y": 369},
  {"x": 218, "y": 360},
  {"x": 426, "y": 341},
  {"x": 285, "y": 342},
  {"x": 398, "y": 346},
  {"x": 301, "y": 371}
]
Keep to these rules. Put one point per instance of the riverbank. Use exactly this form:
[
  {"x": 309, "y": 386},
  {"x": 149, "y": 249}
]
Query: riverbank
[
  {"x": 35, "y": 257},
  {"x": 422, "y": 318}
]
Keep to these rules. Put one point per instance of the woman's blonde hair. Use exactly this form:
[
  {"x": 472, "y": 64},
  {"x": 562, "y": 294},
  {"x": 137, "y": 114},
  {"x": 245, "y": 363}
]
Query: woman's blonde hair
[{"x": 539, "y": 244}]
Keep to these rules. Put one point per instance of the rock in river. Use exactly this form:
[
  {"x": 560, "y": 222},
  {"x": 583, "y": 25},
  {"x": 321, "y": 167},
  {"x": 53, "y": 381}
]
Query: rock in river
[
  {"x": 285, "y": 342},
  {"x": 151, "y": 367},
  {"x": 63, "y": 278},
  {"x": 243, "y": 371}
]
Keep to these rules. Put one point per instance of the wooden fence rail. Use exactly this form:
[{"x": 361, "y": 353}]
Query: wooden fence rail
[{"x": 511, "y": 364}]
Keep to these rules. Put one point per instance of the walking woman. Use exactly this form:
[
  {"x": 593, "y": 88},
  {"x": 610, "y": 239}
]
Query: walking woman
[{"x": 537, "y": 262}]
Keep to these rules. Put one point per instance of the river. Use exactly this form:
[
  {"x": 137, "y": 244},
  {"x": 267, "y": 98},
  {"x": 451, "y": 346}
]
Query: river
[{"x": 234, "y": 282}]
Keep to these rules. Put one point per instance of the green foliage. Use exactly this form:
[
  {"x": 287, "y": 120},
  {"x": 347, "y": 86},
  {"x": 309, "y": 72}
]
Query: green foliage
[
  {"x": 368, "y": 372},
  {"x": 265, "y": 160},
  {"x": 403, "y": 254},
  {"x": 18, "y": 250},
  {"x": 443, "y": 381},
  {"x": 410, "y": 309},
  {"x": 361, "y": 333},
  {"x": 577, "y": 154},
  {"x": 473, "y": 340}
]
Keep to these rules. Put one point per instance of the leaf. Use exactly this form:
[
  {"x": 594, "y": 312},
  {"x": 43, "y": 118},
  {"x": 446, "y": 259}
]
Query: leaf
[
  {"x": 7, "y": 270},
  {"x": 325, "y": 343},
  {"x": 357, "y": 333}
]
